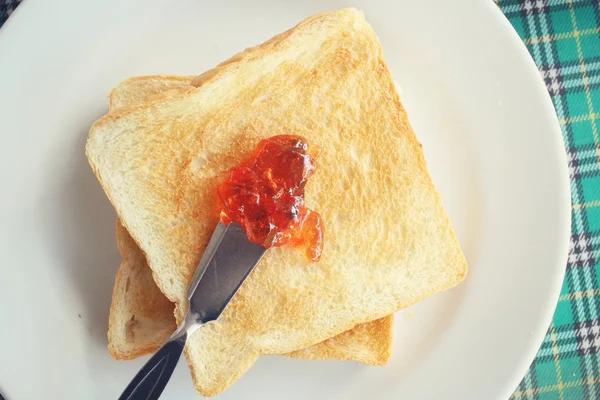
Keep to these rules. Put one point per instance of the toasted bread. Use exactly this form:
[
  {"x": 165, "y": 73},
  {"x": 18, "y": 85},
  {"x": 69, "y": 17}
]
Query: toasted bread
[
  {"x": 389, "y": 242},
  {"x": 141, "y": 317}
]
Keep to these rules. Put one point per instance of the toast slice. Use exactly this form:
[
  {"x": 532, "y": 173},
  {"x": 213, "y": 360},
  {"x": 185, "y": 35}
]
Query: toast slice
[
  {"x": 388, "y": 241},
  {"x": 141, "y": 317}
]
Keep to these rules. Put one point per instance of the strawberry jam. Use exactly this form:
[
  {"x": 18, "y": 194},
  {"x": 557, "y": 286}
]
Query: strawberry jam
[{"x": 265, "y": 194}]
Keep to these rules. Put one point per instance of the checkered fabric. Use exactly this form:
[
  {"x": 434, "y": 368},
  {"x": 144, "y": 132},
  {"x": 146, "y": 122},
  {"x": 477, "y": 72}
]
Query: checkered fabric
[
  {"x": 6, "y": 8},
  {"x": 563, "y": 36}
]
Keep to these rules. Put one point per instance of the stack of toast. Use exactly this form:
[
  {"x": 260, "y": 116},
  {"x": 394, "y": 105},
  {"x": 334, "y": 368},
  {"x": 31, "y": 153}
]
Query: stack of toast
[{"x": 163, "y": 147}]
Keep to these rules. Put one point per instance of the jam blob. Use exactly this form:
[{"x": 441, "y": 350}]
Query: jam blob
[{"x": 265, "y": 194}]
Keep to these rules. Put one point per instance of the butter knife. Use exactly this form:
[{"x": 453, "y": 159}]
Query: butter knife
[{"x": 226, "y": 263}]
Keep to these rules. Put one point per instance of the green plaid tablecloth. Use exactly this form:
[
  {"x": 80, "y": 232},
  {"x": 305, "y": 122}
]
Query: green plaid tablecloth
[{"x": 563, "y": 36}]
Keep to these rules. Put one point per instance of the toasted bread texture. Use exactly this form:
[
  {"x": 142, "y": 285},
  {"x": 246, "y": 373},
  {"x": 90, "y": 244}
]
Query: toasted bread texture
[
  {"x": 141, "y": 317},
  {"x": 388, "y": 241}
]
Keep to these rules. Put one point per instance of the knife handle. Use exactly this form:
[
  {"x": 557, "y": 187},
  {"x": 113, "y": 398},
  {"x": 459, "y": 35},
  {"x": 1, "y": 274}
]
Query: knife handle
[{"x": 152, "y": 379}]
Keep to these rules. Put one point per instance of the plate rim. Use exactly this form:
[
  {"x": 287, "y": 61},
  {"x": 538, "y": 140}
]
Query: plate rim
[{"x": 564, "y": 219}]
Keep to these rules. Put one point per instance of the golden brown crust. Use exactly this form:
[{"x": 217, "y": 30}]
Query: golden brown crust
[
  {"x": 369, "y": 343},
  {"x": 141, "y": 317},
  {"x": 139, "y": 89}
]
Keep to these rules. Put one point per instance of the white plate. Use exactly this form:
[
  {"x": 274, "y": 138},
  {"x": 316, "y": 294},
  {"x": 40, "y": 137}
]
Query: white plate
[{"x": 475, "y": 99}]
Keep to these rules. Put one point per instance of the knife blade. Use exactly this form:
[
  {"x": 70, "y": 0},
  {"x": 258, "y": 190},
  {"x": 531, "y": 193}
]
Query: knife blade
[{"x": 226, "y": 263}]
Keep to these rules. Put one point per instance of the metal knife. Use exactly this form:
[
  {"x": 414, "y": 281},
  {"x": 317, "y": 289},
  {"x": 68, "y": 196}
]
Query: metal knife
[{"x": 226, "y": 263}]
